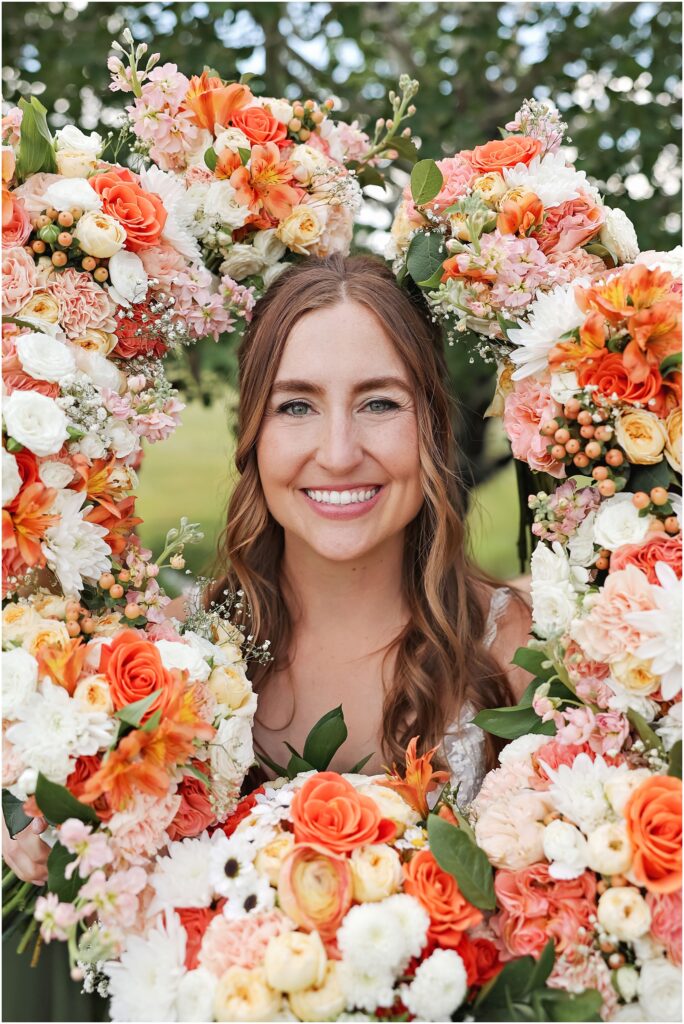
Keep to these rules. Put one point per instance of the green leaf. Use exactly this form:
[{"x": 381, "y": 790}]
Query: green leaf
[
  {"x": 297, "y": 764},
  {"x": 66, "y": 889},
  {"x": 13, "y": 812},
  {"x": 404, "y": 146},
  {"x": 191, "y": 770},
  {"x": 58, "y": 804},
  {"x": 36, "y": 151},
  {"x": 534, "y": 662},
  {"x": 511, "y": 981},
  {"x": 279, "y": 770},
  {"x": 245, "y": 154},
  {"x": 247, "y": 77},
  {"x": 13, "y": 446},
  {"x": 674, "y": 766},
  {"x": 426, "y": 181},
  {"x": 670, "y": 363},
  {"x": 325, "y": 739},
  {"x": 645, "y": 478},
  {"x": 370, "y": 176},
  {"x": 425, "y": 257},
  {"x": 456, "y": 853},
  {"x": 153, "y": 721},
  {"x": 133, "y": 714},
  {"x": 360, "y": 765},
  {"x": 566, "y": 1006},
  {"x": 210, "y": 158},
  {"x": 599, "y": 249},
  {"x": 543, "y": 966},
  {"x": 646, "y": 734},
  {"x": 509, "y": 723}
]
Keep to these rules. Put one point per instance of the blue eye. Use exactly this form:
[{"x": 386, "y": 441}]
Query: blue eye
[
  {"x": 296, "y": 408},
  {"x": 381, "y": 405}
]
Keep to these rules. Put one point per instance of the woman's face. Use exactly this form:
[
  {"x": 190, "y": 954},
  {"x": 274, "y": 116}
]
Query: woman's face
[{"x": 338, "y": 448}]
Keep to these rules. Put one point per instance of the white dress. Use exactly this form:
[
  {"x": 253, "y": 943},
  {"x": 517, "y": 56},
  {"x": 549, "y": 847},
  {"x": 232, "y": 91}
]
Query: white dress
[{"x": 464, "y": 743}]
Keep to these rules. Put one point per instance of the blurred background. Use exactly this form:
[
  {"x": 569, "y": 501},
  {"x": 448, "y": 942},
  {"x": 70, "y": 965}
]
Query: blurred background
[{"x": 613, "y": 70}]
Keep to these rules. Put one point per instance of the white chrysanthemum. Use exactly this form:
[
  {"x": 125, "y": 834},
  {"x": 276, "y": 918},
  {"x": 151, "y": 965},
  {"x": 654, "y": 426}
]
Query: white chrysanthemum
[
  {"x": 566, "y": 848},
  {"x": 11, "y": 478},
  {"x": 198, "y": 221},
  {"x": 176, "y": 654},
  {"x": 19, "y": 680},
  {"x": 184, "y": 870},
  {"x": 669, "y": 728},
  {"x": 618, "y": 235},
  {"x": 230, "y": 861},
  {"x": 378, "y": 936},
  {"x": 672, "y": 261},
  {"x": 551, "y": 178},
  {"x": 176, "y": 231},
  {"x": 551, "y": 315},
  {"x": 662, "y": 629},
  {"x": 577, "y": 791},
  {"x": 412, "y": 919},
  {"x": 365, "y": 988},
  {"x": 195, "y": 999},
  {"x": 438, "y": 988},
  {"x": 618, "y": 522},
  {"x": 43, "y": 358},
  {"x": 75, "y": 549},
  {"x": 144, "y": 985}
]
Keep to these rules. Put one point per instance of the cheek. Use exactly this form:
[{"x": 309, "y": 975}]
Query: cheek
[{"x": 395, "y": 445}]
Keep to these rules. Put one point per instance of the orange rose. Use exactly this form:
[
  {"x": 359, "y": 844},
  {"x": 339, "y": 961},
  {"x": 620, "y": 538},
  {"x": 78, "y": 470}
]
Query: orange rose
[
  {"x": 212, "y": 102},
  {"x": 328, "y": 810},
  {"x": 654, "y": 824},
  {"x": 610, "y": 376},
  {"x": 500, "y": 153},
  {"x": 260, "y": 126},
  {"x": 134, "y": 670},
  {"x": 315, "y": 889},
  {"x": 450, "y": 913},
  {"x": 520, "y": 212},
  {"x": 140, "y": 213}
]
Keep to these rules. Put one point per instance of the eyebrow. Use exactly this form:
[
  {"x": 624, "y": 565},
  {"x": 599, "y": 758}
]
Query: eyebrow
[{"x": 306, "y": 387}]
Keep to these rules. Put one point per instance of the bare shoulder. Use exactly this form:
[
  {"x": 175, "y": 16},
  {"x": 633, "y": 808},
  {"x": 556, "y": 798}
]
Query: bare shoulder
[
  {"x": 177, "y": 609},
  {"x": 512, "y": 630}
]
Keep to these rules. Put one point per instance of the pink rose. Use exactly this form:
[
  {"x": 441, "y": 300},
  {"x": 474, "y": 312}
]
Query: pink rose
[
  {"x": 605, "y": 634},
  {"x": 240, "y": 943},
  {"x": 18, "y": 279},
  {"x": 83, "y": 304},
  {"x": 526, "y": 409},
  {"x": 162, "y": 262},
  {"x": 666, "y": 921},
  {"x": 569, "y": 225},
  {"x": 18, "y": 227}
]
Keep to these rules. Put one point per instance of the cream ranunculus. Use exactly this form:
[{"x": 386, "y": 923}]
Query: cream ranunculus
[
  {"x": 11, "y": 478},
  {"x": 69, "y": 192},
  {"x": 295, "y": 961},
  {"x": 308, "y": 162},
  {"x": 491, "y": 187},
  {"x": 624, "y": 913},
  {"x": 272, "y": 274},
  {"x": 35, "y": 421},
  {"x": 231, "y": 688},
  {"x": 609, "y": 850},
  {"x": 18, "y": 620},
  {"x": 635, "y": 675},
  {"x": 324, "y": 1002},
  {"x": 642, "y": 436},
  {"x": 93, "y": 692},
  {"x": 232, "y": 139},
  {"x": 43, "y": 358},
  {"x": 269, "y": 246},
  {"x": 660, "y": 990},
  {"x": 99, "y": 234},
  {"x": 301, "y": 229},
  {"x": 52, "y": 606},
  {"x": 46, "y": 631},
  {"x": 673, "y": 446},
  {"x": 242, "y": 261},
  {"x": 270, "y": 857},
  {"x": 391, "y": 806},
  {"x": 95, "y": 340},
  {"x": 41, "y": 306},
  {"x": 75, "y": 163},
  {"x": 244, "y": 995},
  {"x": 619, "y": 787},
  {"x": 376, "y": 872}
]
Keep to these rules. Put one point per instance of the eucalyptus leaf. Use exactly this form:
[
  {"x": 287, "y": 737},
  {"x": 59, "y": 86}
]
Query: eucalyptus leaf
[
  {"x": 455, "y": 852},
  {"x": 13, "y": 812},
  {"x": 425, "y": 257},
  {"x": 57, "y": 804},
  {"x": 426, "y": 181},
  {"x": 325, "y": 739}
]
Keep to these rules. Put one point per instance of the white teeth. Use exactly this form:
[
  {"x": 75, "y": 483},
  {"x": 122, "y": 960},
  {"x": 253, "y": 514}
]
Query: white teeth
[{"x": 343, "y": 497}]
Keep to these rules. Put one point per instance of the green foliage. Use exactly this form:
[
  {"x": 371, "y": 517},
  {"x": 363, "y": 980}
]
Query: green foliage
[
  {"x": 426, "y": 181},
  {"x": 13, "y": 812},
  {"x": 57, "y": 804},
  {"x": 425, "y": 257},
  {"x": 320, "y": 746},
  {"x": 456, "y": 852},
  {"x": 674, "y": 766},
  {"x": 65, "y": 888},
  {"x": 35, "y": 149},
  {"x": 133, "y": 714}
]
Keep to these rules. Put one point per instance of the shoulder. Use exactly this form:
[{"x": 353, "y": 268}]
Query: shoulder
[
  {"x": 509, "y": 621},
  {"x": 177, "y": 609}
]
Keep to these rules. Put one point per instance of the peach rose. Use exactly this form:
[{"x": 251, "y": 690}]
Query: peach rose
[
  {"x": 666, "y": 922},
  {"x": 654, "y": 823},
  {"x": 260, "y": 126},
  {"x": 315, "y": 888},
  {"x": 18, "y": 227},
  {"x": 328, "y": 810},
  {"x": 569, "y": 225},
  {"x": 134, "y": 669},
  {"x": 567, "y": 266},
  {"x": 526, "y": 409},
  {"x": 195, "y": 812},
  {"x": 141, "y": 214},
  {"x": 642, "y": 436},
  {"x": 162, "y": 262},
  {"x": 673, "y": 448},
  {"x": 457, "y": 174},
  {"x": 656, "y": 547},
  {"x": 500, "y": 153},
  {"x": 450, "y": 913},
  {"x": 610, "y": 377},
  {"x": 510, "y": 830},
  {"x": 18, "y": 279}
]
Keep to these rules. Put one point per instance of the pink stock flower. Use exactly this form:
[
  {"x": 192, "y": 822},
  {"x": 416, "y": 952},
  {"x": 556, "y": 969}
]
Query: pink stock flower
[
  {"x": 575, "y": 726},
  {"x": 527, "y": 408},
  {"x": 606, "y": 634},
  {"x": 166, "y": 86},
  {"x": 206, "y": 316},
  {"x": 18, "y": 228},
  {"x": 170, "y": 135},
  {"x": 160, "y": 423},
  {"x": 594, "y": 691},
  {"x": 569, "y": 225},
  {"x": 240, "y": 943},
  {"x": 239, "y": 298},
  {"x": 666, "y": 922},
  {"x": 139, "y": 831},
  {"x": 116, "y": 899},
  {"x": 612, "y": 729},
  {"x": 91, "y": 848},
  {"x": 56, "y": 918},
  {"x": 83, "y": 304},
  {"x": 11, "y": 126},
  {"x": 19, "y": 279}
]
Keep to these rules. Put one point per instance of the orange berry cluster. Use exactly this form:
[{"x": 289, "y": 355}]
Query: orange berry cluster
[
  {"x": 582, "y": 438},
  {"x": 55, "y": 231},
  {"x": 306, "y": 117},
  {"x": 115, "y": 589},
  {"x": 657, "y": 503}
]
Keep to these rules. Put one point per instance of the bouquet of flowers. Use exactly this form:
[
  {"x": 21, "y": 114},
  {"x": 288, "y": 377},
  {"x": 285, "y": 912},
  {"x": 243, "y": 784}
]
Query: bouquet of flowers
[{"x": 253, "y": 182}]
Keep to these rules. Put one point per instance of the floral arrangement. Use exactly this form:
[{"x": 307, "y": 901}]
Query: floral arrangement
[{"x": 253, "y": 182}]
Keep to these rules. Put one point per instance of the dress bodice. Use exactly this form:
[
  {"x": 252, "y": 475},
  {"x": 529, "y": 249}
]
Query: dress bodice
[{"x": 464, "y": 742}]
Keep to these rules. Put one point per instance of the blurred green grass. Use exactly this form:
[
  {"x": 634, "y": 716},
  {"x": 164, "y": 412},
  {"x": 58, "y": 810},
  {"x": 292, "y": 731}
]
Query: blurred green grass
[{"x": 192, "y": 474}]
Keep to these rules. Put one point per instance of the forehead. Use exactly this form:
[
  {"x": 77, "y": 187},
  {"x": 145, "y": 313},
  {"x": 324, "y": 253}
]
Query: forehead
[{"x": 339, "y": 343}]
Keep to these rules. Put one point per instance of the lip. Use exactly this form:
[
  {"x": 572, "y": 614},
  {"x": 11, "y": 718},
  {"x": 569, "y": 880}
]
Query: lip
[{"x": 351, "y": 511}]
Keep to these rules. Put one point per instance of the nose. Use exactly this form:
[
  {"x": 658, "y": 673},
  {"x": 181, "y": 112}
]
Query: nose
[{"x": 339, "y": 449}]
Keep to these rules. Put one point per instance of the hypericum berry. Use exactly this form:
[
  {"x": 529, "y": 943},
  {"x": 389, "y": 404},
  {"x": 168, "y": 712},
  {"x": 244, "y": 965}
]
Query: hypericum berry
[
  {"x": 59, "y": 259},
  {"x": 572, "y": 409},
  {"x": 549, "y": 429},
  {"x": 600, "y": 473},
  {"x": 73, "y": 610},
  {"x": 51, "y": 213},
  {"x": 124, "y": 576},
  {"x": 585, "y": 418},
  {"x": 65, "y": 238},
  {"x": 295, "y": 124},
  {"x": 581, "y": 461},
  {"x": 602, "y": 564},
  {"x": 73, "y": 628},
  {"x": 106, "y": 581},
  {"x": 38, "y": 247},
  {"x": 88, "y": 626},
  {"x": 607, "y": 488},
  {"x": 76, "y": 212},
  {"x": 132, "y": 611},
  {"x": 592, "y": 450},
  {"x": 562, "y": 435},
  {"x": 603, "y": 433},
  {"x": 641, "y": 500},
  {"x": 672, "y": 525},
  {"x": 117, "y": 591},
  {"x": 89, "y": 263},
  {"x": 558, "y": 452},
  {"x": 614, "y": 457},
  {"x": 573, "y": 446},
  {"x": 101, "y": 274},
  {"x": 659, "y": 496},
  {"x": 587, "y": 431},
  {"x": 65, "y": 219}
]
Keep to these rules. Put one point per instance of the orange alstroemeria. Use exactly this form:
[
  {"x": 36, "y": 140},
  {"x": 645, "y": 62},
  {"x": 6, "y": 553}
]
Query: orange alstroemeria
[
  {"x": 227, "y": 162},
  {"x": 63, "y": 662},
  {"x": 626, "y": 293},
  {"x": 212, "y": 102},
  {"x": 266, "y": 183},
  {"x": 418, "y": 780},
  {"x": 25, "y": 526},
  {"x": 521, "y": 211},
  {"x": 655, "y": 333},
  {"x": 591, "y": 345},
  {"x": 120, "y": 526}
]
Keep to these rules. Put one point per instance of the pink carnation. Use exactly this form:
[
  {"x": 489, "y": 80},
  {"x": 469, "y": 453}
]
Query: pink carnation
[
  {"x": 527, "y": 407},
  {"x": 240, "y": 943},
  {"x": 666, "y": 921},
  {"x": 503, "y": 782},
  {"x": 19, "y": 279},
  {"x": 139, "y": 831},
  {"x": 458, "y": 174},
  {"x": 575, "y": 971},
  {"x": 569, "y": 225},
  {"x": 564, "y": 267},
  {"x": 83, "y": 304},
  {"x": 18, "y": 227},
  {"x": 606, "y": 634}
]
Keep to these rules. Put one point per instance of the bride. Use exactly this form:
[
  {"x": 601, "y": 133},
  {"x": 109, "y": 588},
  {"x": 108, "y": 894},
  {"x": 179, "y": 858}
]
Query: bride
[{"x": 346, "y": 533}]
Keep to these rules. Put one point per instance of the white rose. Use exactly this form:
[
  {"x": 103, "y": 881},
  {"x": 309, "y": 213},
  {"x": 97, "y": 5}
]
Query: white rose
[
  {"x": 324, "y": 1002},
  {"x": 194, "y": 157},
  {"x": 11, "y": 478},
  {"x": 619, "y": 787},
  {"x": 618, "y": 522},
  {"x": 272, "y": 274},
  {"x": 102, "y": 371},
  {"x": 195, "y": 996},
  {"x": 19, "y": 680},
  {"x": 184, "y": 657},
  {"x": 618, "y": 235},
  {"x": 522, "y": 749},
  {"x": 92, "y": 446},
  {"x": 232, "y": 752},
  {"x": 99, "y": 234},
  {"x": 75, "y": 163},
  {"x": 391, "y": 806},
  {"x": 36, "y": 422},
  {"x": 627, "y": 982},
  {"x": 660, "y": 990},
  {"x": 566, "y": 847},
  {"x": 221, "y": 205},
  {"x": 122, "y": 440},
  {"x": 609, "y": 850},
  {"x": 71, "y": 137},
  {"x": 308, "y": 162},
  {"x": 56, "y": 474},
  {"x": 581, "y": 544},
  {"x": 624, "y": 913},
  {"x": 268, "y": 246},
  {"x": 669, "y": 728},
  {"x": 553, "y": 607},
  {"x": 43, "y": 358},
  {"x": 128, "y": 279},
  {"x": 64, "y": 195},
  {"x": 232, "y": 139},
  {"x": 670, "y": 261},
  {"x": 242, "y": 261},
  {"x": 295, "y": 961},
  {"x": 376, "y": 872}
]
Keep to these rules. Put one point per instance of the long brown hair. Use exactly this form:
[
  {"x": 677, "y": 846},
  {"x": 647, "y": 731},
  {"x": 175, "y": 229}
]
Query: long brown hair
[{"x": 441, "y": 660}]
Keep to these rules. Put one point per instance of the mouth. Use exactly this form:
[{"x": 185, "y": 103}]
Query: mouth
[{"x": 356, "y": 496}]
